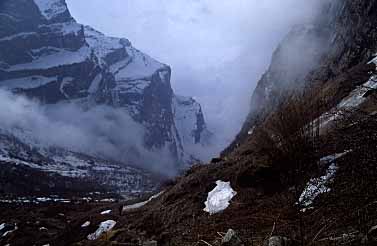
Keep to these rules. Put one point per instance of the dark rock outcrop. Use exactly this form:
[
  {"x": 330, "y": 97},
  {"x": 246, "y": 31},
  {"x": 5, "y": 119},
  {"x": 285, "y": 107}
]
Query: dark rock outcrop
[{"x": 341, "y": 37}]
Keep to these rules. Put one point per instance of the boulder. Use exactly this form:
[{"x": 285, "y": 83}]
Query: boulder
[
  {"x": 231, "y": 239},
  {"x": 278, "y": 241}
]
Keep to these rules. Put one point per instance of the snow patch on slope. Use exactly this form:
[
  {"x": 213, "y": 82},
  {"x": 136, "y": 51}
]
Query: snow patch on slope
[
  {"x": 218, "y": 199},
  {"x": 141, "y": 204},
  {"x": 140, "y": 66},
  {"x": 316, "y": 187},
  {"x": 101, "y": 44},
  {"x": 354, "y": 100},
  {"x": 63, "y": 57},
  {"x": 106, "y": 212},
  {"x": 103, "y": 228},
  {"x": 64, "y": 28},
  {"x": 51, "y": 8},
  {"x": 86, "y": 224},
  {"x": 7, "y": 229}
]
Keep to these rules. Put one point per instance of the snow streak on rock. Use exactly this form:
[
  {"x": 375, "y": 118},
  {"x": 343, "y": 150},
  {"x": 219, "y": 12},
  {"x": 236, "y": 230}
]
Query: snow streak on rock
[{"x": 51, "y": 8}]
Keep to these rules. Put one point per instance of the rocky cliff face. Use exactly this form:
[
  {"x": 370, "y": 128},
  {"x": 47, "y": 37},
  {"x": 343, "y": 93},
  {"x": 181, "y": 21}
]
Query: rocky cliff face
[
  {"x": 313, "y": 54},
  {"x": 190, "y": 123},
  {"x": 46, "y": 54}
]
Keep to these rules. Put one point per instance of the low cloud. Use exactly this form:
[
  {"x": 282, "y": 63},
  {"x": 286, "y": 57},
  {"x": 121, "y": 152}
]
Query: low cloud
[{"x": 100, "y": 131}]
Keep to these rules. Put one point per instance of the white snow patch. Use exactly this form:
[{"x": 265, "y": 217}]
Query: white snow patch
[
  {"x": 141, "y": 204},
  {"x": 51, "y": 8},
  {"x": 356, "y": 98},
  {"x": 137, "y": 66},
  {"x": 316, "y": 187},
  {"x": 101, "y": 44},
  {"x": 251, "y": 131},
  {"x": 86, "y": 224},
  {"x": 218, "y": 199},
  {"x": 44, "y": 199},
  {"x": 109, "y": 200},
  {"x": 10, "y": 231},
  {"x": 106, "y": 212},
  {"x": 103, "y": 228}
]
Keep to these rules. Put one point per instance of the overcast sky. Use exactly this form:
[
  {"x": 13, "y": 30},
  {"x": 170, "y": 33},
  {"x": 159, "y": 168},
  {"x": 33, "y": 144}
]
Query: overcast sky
[{"x": 217, "y": 49}]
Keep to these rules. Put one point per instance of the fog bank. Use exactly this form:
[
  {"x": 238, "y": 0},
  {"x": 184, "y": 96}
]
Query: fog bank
[{"x": 101, "y": 131}]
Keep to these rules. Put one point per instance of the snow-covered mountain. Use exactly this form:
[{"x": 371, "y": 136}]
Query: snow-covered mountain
[
  {"x": 191, "y": 128},
  {"x": 46, "y": 55},
  {"x": 58, "y": 170}
]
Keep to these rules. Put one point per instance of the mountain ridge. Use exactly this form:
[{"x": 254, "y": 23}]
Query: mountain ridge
[{"x": 46, "y": 55}]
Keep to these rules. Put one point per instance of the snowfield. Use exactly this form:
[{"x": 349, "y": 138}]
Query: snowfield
[{"x": 218, "y": 199}]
